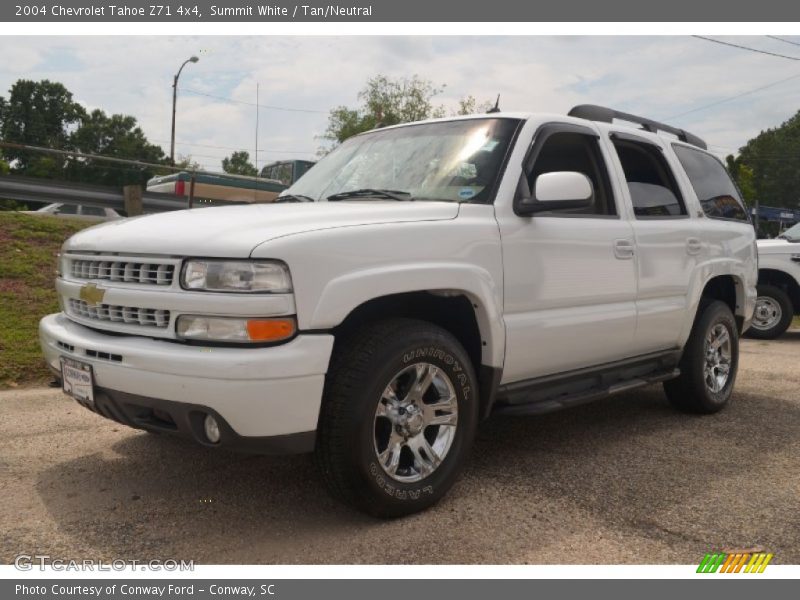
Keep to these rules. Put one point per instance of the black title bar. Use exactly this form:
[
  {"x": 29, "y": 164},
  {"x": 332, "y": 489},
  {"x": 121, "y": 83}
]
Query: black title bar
[{"x": 198, "y": 11}]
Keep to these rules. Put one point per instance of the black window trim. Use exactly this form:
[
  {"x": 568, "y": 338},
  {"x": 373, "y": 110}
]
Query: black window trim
[
  {"x": 540, "y": 136},
  {"x": 705, "y": 215},
  {"x": 635, "y": 139}
]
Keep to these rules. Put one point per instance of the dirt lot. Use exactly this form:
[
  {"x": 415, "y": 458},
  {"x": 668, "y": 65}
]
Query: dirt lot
[{"x": 625, "y": 480}]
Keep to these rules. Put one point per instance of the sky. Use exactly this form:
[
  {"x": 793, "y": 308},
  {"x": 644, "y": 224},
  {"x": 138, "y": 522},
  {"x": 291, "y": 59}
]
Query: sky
[{"x": 654, "y": 76}]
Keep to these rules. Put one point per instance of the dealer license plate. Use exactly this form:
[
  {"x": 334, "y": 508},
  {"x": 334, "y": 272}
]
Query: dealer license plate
[{"x": 77, "y": 380}]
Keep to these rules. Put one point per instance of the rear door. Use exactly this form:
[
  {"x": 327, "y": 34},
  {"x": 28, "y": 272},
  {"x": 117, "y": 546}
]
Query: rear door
[{"x": 668, "y": 244}]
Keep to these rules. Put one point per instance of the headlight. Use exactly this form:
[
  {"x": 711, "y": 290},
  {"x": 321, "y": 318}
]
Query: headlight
[
  {"x": 236, "y": 276},
  {"x": 235, "y": 330}
]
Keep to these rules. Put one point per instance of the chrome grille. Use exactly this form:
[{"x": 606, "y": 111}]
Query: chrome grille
[
  {"x": 131, "y": 315},
  {"x": 126, "y": 271}
]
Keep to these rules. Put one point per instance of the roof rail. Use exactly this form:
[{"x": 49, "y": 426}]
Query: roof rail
[{"x": 593, "y": 112}]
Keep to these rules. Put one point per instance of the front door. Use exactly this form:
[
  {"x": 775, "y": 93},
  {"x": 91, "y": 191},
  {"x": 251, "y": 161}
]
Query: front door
[{"x": 569, "y": 276}]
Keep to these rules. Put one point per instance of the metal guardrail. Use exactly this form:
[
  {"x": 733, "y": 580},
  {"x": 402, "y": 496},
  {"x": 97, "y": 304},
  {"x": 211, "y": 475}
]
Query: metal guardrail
[{"x": 26, "y": 189}]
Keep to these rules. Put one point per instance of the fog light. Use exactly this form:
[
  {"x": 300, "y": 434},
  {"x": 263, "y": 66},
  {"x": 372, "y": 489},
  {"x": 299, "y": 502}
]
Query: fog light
[{"x": 212, "y": 429}]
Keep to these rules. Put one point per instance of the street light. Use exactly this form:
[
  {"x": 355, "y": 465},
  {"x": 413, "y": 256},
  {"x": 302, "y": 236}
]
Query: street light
[{"x": 192, "y": 59}]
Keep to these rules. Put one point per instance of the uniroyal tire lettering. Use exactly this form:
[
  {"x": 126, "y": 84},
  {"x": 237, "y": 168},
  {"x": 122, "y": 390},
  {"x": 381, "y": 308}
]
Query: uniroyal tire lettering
[{"x": 394, "y": 492}]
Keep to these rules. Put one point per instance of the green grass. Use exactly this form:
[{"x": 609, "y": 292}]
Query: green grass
[
  {"x": 28, "y": 256},
  {"x": 796, "y": 322}
]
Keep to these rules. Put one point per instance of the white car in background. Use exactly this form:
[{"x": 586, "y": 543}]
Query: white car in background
[
  {"x": 77, "y": 211},
  {"x": 778, "y": 285}
]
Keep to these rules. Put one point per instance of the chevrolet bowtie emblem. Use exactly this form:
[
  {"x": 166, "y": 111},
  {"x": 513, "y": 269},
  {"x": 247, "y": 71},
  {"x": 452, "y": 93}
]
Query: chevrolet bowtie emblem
[{"x": 92, "y": 294}]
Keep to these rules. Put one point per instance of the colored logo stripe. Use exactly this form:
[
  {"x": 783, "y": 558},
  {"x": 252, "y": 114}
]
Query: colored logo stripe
[{"x": 734, "y": 563}]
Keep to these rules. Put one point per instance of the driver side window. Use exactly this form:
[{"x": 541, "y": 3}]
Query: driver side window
[{"x": 570, "y": 151}]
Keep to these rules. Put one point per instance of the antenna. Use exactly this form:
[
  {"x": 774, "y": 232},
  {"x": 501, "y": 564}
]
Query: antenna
[{"x": 495, "y": 108}]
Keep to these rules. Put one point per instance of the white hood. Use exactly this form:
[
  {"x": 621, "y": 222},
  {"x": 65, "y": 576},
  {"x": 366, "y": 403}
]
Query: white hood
[
  {"x": 778, "y": 247},
  {"x": 234, "y": 231}
]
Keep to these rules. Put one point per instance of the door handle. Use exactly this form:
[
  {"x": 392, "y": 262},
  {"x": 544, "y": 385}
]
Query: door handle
[
  {"x": 693, "y": 246},
  {"x": 623, "y": 249}
]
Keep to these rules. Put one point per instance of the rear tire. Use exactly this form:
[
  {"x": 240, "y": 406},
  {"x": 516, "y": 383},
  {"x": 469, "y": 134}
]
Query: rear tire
[
  {"x": 773, "y": 314},
  {"x": 709, "y": 362},
  {"x": 377, "y": 448}
]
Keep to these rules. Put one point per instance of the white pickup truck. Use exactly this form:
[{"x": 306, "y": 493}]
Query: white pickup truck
[
  {"x": 778, "y": 285},
  {"x": 415, "y": 281}
]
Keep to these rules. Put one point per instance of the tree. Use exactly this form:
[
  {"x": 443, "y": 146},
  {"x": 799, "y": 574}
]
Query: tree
[
  {"x": 383, "y": 102},
  {"x": 38, "y": 113},
  {"x": 117, "y": 136},
  {"x": 239, "y": 163},
  {"x": 187, "y": 163},
  {"x": 469, "y": 106},
  {"x": 770, "y": 165}
]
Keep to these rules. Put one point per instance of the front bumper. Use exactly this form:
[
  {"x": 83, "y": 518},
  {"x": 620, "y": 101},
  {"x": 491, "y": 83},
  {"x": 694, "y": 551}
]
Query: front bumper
[{"x": 255, "y": 393}]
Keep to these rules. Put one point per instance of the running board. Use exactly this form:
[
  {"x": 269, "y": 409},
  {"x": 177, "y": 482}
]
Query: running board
[
  {"x": 538, "y": 407},
  {"x": 548, "y": 394}
]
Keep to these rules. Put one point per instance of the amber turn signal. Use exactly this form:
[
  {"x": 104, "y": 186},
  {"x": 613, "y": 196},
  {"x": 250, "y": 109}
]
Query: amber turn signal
[{"x": 270, "y": 330}]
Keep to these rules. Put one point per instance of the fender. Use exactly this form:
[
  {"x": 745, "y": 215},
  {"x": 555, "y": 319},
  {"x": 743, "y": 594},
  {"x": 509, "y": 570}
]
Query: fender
[
  {"x": 705, "y": 272},
  {"x": 341, "y": 295}
]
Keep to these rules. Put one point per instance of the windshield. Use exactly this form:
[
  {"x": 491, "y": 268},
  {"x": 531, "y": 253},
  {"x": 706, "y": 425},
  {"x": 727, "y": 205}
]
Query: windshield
[
  {"x": 792, "y": 234},
  {"x": 455, "y": 161}
]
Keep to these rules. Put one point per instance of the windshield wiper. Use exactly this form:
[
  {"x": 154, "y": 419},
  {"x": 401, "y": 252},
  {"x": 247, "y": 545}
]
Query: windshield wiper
[
  {"x": 367, "y": 193},
  {"x": 294, "y": 198}
]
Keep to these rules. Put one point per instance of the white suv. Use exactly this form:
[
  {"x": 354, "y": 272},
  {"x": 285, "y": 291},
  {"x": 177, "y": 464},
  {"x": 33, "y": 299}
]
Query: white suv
[
  {"x": 416, "y": 280},
  {"x": 778, "y": 285}
]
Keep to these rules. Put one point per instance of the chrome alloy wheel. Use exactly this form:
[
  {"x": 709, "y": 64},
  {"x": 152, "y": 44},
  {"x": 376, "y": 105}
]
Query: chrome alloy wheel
[
  {"x": 768, "y": 313},
  {"x": 717, "y": 366},
  {"x": 415, "y": 422}
]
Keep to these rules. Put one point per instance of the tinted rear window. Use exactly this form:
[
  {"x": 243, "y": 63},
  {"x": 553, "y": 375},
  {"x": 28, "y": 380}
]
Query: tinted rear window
[{"x": 714, "y": 188}]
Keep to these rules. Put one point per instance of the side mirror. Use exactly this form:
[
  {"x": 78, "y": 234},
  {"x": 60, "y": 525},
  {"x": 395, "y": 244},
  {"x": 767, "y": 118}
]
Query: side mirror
[{"x": 559, "y": 190}]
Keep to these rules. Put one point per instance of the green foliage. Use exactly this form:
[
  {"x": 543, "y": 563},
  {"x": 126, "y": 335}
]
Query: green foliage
[
  {"x": 117, "y": 136},
  {"x": 768, "y": 166},
  {"x": 43, "y": 113},
  {"x": 37, "y": 113},
  {"x": 28, "y": 249},
  {"x": 470, "y": 106},
  {"x": 384, "y": 102},
  {"x": 239, "y": 163}
]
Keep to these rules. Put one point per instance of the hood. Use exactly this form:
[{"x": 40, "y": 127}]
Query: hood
[
  {"x": 234, "y": 231},
  {"x": 778, "y": 247}
]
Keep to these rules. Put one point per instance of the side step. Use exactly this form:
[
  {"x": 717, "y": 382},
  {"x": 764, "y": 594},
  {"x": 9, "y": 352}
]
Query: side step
[{"x": 552, "y": 404}]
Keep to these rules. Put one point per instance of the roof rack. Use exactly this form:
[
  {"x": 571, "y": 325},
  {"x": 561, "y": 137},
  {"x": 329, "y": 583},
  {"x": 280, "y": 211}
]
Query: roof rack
[{"x": 593, "y": 112}]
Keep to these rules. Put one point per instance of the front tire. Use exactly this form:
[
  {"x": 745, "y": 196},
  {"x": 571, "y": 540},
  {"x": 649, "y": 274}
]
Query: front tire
[
  {"x": 399, "y": 415},
  {"x": 709, "y": 363},
  {"x": 773, "y": 313}
]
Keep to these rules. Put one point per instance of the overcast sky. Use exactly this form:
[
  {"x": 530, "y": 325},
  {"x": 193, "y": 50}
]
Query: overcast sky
[{"x": 659, "y": 77}]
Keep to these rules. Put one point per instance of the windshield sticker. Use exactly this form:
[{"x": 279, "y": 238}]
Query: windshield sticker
[{"x": 466, "y": 193}]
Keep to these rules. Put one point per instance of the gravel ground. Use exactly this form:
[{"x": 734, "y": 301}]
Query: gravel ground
[{"x": 624, "y": 480}]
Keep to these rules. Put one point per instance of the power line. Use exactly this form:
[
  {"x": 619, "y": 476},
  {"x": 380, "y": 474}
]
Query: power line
[
  {"x": 267, "y": 106},
  {"x": 215, "y": 147},
  {"x": 708, "y": 39},
  {"x": 728, "y": 99},
  {"x": 780, "y": 39}
]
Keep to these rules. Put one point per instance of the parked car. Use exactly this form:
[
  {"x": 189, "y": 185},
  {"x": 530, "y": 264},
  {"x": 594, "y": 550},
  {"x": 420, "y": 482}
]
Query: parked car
[
  {"x": 418, "y": 279},
  {"x": 778, "y": 285},
  {"x": 77, "y": 211}
]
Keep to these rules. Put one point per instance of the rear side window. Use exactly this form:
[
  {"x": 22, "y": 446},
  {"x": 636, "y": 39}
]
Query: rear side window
[
  {"x": 651, "y": 183},
  {"x": 714, "y": 188}
]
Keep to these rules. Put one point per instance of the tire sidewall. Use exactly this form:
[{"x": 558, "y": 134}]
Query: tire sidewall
[
  {"x": 716, "y": 313},
  {"x": 397, "y": 497}
]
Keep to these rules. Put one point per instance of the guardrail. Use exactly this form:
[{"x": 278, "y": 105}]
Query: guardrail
[{"x": 26, "y": 189}]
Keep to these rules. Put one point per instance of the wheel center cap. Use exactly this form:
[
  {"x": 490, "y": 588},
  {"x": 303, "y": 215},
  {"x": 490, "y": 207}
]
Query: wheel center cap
[{"x": 410, "y": 420}]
